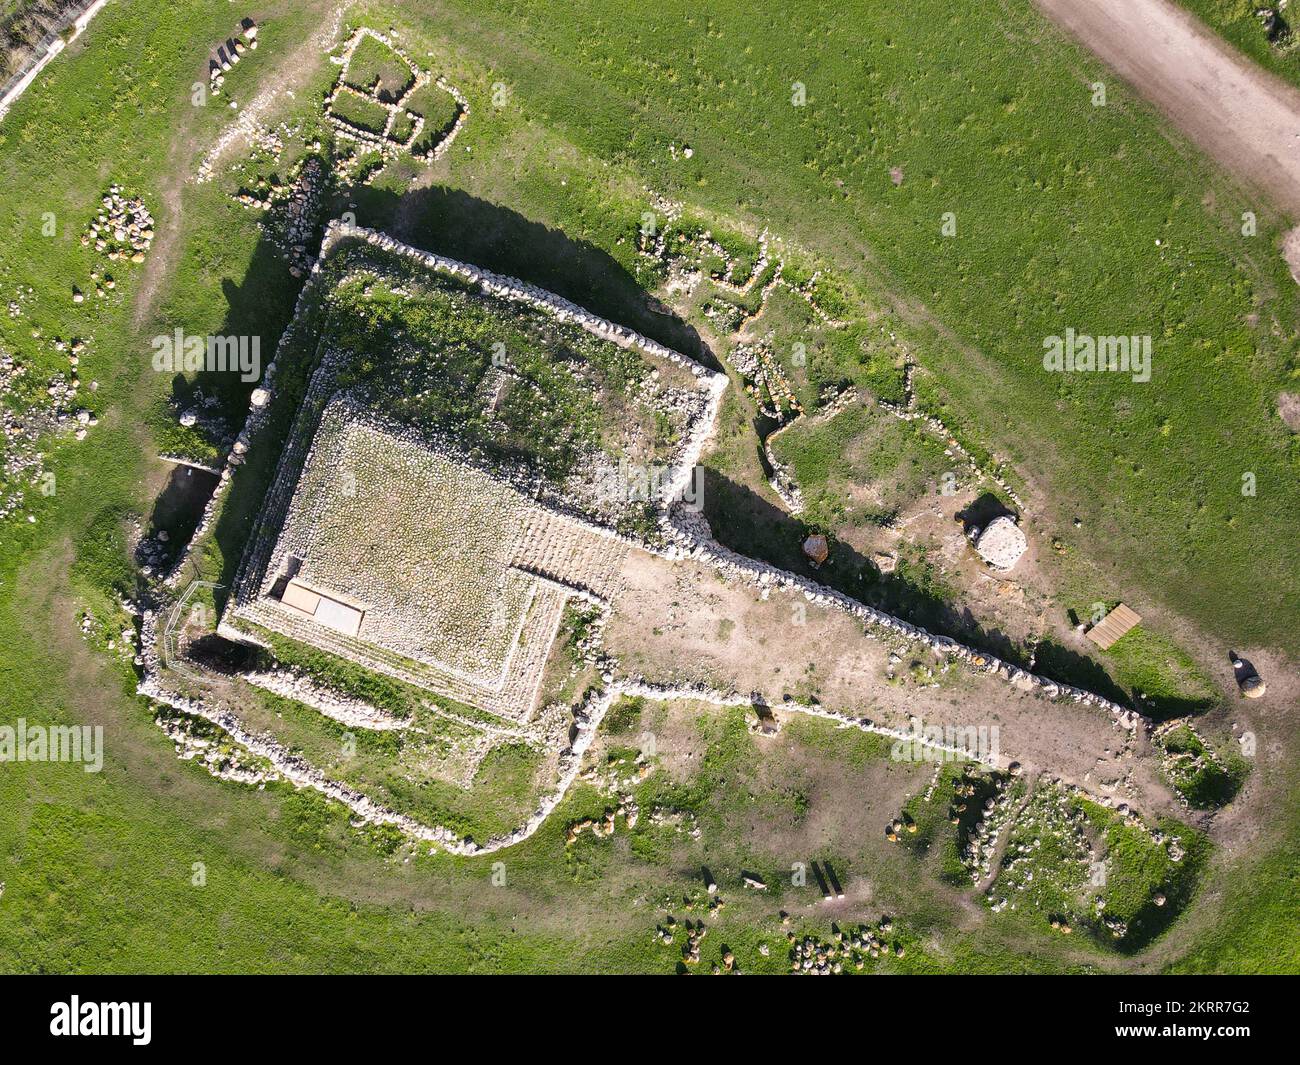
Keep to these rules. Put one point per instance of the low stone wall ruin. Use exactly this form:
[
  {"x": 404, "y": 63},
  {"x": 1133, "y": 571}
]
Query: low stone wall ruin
[{"x": 688, "y": 536}]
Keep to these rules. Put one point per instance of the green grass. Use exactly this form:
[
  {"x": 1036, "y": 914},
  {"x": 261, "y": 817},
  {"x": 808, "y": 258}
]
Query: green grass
[
  {"x": 1262, "y": 900},
  {"x": 1169, "y": 681},
  {"x": 403, "y": 126},
  {"x": 624, "y": 716},
  {"x": 1139, "y": 870},
  {"x": 930, "y": 818},
  {"x": 1205, "y": 777},
  {"x": 1055, "y": 173},
  {"x": 439, "y": 109},
  {"x": 360, "y": 112},
  {"x": 862, "y": 448},
  {"x": 375, "y": 68},
  {"x": 410, "y": 771},
  {"x": 551, "y": 419}
]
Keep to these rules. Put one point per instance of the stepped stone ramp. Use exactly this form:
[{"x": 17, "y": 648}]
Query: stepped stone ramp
[{"x": 570, "y": 553}]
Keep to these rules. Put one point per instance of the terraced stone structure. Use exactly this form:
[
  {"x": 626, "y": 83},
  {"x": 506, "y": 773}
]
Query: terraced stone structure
[
  {"x": 469, "y": 454},
  {"x": 386, "y": 541},
  {"x": 401, "y": 555}
]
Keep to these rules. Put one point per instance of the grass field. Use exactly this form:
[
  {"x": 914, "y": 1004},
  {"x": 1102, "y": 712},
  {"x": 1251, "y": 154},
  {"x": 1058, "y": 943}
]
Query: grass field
[
  {"x": 1081, "y": 217},
  {"x": 438, "y": 109},
  {"x": 861, "y": 448},
  {"x": 359, "y": 111}
]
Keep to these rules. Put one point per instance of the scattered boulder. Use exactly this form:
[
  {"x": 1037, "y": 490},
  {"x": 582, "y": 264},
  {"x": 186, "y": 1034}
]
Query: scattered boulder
[
  {"x": 817, "y": 548},
  {"x": 1249, "y": 681},
  {"x": 1001, "y": 543},
  {"x": 1253, "y": 687}
]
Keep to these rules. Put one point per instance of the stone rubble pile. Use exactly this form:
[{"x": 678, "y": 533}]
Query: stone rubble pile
[
  {"x": 292, "y": 209},
  {"x": 123, "y": 230},
  {"x": 125, "y": 643},
  {"x": 683, "y": 251},
  {"x": 153, "y": 554},
  {"x": 766, "y": 381},
  {"x": 1049, "y": 819},
  {"x": 812, "y": 956},
  {"x": 1052, "y": 815},
  {"x": 24, "y": 426},
  {"x": 246, "y": 127},
  {"x": 303, "y": 209},
  {"x": 999, "y": 812},
  {"x": 224, "y": 761},
  {"x": 1183, "y": 766},
  {"x": 652, "y": 242}
]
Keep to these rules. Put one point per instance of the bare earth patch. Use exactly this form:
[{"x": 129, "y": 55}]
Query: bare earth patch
[
  {"x": 664, "y": 627},
  {"x": 1288, "y": 406}
]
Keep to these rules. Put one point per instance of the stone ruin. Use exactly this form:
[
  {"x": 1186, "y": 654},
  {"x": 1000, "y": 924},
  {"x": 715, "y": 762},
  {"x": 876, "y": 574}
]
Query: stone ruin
[
  {"x": 545, "y": 553},
  {"x": 386, "y": 142},
  {"x": 387, "y": 544},
  {"x": 397, "y": 552}
]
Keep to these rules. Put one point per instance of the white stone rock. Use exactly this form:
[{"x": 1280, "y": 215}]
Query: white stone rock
[{"x": 1001, "y": 543}]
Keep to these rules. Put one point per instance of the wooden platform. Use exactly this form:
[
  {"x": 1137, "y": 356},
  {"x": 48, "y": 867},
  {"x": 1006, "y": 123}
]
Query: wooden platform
[{"x": 1113, "y": 626}]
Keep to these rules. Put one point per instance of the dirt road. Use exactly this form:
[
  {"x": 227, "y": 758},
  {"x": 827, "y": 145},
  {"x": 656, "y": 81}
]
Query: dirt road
[{"x": 1240, "y": 115}]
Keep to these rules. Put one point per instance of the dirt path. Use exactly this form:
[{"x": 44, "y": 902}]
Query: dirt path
[
  {"x": 290, "y": 73},
  {"x": 1243, "y": 117},
  {"x": 158, "y": 267}
]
